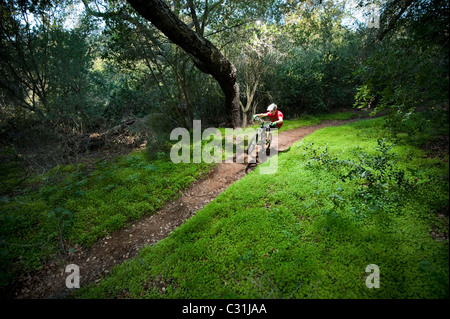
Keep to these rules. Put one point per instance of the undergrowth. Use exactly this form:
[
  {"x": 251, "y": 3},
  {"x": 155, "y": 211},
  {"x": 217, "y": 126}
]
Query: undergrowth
[{"x": 73, "y": 206}]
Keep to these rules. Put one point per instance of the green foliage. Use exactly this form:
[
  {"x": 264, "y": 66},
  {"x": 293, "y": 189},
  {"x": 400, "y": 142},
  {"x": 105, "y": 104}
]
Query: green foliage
[
  {"x": 407, "y": 72},
  {"x": 303, "y": 232},
  {"x": 315, "y": 74},
  {"x": 45, "y": 71},
  {"x": 382, "y": 182},
  {"x": 159, "y": 143},
  {"x": 70, "y": 205}
]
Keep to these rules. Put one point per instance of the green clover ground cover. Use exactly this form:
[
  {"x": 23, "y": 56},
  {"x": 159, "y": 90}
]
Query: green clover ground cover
[
  {"x": 341, "y": 199},
  {"x": 49, "y": 214},
  {"x": 73, "y": 206}
]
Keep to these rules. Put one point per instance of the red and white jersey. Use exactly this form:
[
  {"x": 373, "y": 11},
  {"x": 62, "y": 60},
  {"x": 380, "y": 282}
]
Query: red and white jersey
[{"x": 275, "y": 117}]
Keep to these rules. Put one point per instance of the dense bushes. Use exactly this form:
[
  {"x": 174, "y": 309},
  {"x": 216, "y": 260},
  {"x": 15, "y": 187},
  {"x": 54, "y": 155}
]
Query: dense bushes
[{"x": 407, "y": 72}]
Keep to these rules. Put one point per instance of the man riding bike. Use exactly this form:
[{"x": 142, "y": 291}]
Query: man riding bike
[{"x": 276, "y": 117}]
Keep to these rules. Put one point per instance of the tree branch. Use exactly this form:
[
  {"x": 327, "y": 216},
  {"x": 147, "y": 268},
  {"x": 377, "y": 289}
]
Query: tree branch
[
  {"x": 206, "y": 56},
  {"x": 404, "y": 5},
  {"x": 194, "y": 16}
]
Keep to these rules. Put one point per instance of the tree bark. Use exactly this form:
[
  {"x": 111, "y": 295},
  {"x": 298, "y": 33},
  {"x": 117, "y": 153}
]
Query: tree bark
[
  {"x": 207, "y": 58},
  {"x": 250, "y": 97}
]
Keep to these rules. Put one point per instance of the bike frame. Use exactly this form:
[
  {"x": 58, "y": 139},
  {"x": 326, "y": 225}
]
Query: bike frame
[{"x": 258, "y": 137}]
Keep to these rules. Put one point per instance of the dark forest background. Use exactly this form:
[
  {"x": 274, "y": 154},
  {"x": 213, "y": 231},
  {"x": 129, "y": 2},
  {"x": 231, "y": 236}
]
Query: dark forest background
[{"x": 82, "y": 76}]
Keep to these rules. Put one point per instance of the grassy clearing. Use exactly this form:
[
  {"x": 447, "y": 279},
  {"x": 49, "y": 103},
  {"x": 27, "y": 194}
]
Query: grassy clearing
[
  {"x": 48, "y": 214},
  {"x": 71, "y": 205},
  {"x": 309, "y": 230}
]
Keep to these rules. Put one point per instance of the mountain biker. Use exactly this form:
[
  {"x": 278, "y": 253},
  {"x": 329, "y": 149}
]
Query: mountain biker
[{"x": 276, "y": 117}]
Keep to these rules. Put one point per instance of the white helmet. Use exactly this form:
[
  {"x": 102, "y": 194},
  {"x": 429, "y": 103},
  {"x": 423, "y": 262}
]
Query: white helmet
[{"x": 271, "y": 107}]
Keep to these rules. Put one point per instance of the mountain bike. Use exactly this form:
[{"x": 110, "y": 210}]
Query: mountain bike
[{"x": 262, "y": 137}]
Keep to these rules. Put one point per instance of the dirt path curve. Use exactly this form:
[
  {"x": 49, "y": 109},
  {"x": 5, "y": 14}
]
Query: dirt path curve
[{"x": 99, "y": 259}]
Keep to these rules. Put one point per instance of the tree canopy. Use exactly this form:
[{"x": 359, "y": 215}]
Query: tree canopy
[{"x": 82, "y": 67}]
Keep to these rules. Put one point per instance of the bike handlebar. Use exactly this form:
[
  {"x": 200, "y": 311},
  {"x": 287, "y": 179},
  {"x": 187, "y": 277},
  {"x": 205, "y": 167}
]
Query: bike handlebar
[{"x": 261, "y": 120}]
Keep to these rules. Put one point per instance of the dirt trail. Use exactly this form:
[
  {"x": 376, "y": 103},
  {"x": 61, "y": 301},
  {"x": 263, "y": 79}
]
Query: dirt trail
[{"x": 98, "y": 260}]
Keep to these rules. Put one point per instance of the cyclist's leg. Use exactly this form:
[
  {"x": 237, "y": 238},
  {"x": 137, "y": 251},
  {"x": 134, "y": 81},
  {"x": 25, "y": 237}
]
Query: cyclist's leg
[{"x": 269, "y": 141}]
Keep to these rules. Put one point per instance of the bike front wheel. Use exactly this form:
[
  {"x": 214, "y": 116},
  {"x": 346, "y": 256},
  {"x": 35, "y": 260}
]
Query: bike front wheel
[{"x": 252, "y": 143}]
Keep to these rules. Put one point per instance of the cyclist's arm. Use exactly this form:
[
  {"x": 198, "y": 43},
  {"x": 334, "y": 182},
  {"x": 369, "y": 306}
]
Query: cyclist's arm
[
  {"x": 280, "y": 120},
  {"x": 260, "y": 115}
]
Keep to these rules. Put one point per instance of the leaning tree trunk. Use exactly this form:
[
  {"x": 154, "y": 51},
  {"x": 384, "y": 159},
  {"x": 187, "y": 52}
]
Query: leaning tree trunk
[{"x": 207, "y": 58}]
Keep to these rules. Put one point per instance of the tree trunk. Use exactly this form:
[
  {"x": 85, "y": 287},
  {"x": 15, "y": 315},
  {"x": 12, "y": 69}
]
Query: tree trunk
[
  {"x": 207, "y": 58},
  {"x": 244, "y": 119},
  {"x": 250, "y": 97}
]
